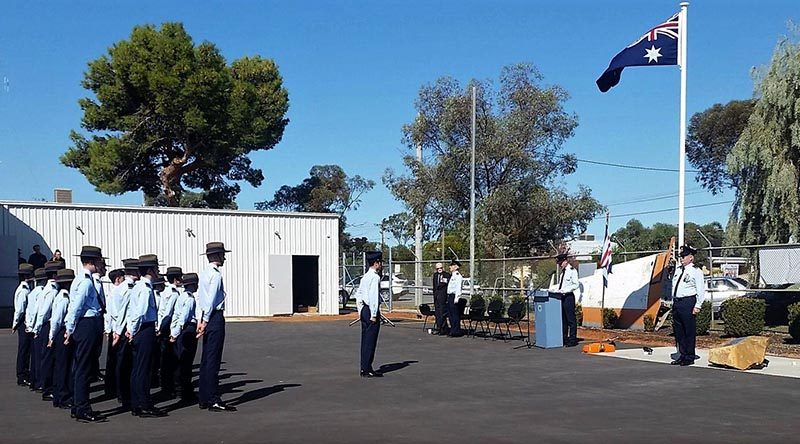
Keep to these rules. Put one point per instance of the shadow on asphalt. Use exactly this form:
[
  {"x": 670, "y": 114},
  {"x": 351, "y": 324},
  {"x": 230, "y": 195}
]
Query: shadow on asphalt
[{"x": 388, "y": 368}]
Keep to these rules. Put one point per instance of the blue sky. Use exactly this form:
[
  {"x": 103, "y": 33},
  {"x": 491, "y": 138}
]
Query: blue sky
[{"x": 353, "y": 69}]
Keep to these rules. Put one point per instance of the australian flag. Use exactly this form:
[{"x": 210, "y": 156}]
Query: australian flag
[{"x": 658, "y": 47}]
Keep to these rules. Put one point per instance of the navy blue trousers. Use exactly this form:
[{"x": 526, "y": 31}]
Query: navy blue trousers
[
  {"x": 34, "y": 365},
  {"x": 111, "y": 367},
  {"x": 211, "y": 360},
  {"x": 684, "y": 326},
  {"x": 455, "y": 316},
  {"x": 62, "y": 370},
  {"x": 569, "y": 322},
  {"x": 87, "y": 332},
  {"x": 166, "y": 363},
  {"x": 142, "y": 353},
  {"x": 123, "y": 353},
  {"x": 44, "y": 373},
  {"x": 23, "y": 355},
  {"x": 369, "y": 338},
  {"x": 185, "y": 348}
]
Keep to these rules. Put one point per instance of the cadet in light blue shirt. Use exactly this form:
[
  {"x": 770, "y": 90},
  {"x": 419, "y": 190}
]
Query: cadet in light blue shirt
[
  {"x": 25, "y": 273},
  {"x": 183, "y": 335},
  {"x": 211, "y": 298},
  {"x": 84, "y": 327},
  {"x": 63, "y": 354},
  {"x": 31, "y": 312},
  {"x": 41, "y": 331},
  {"x": 122, "y": 347},
  {"x": 688, "y": 293},
  {"x": 167, "y": 359},
  {"x": 141, "y": 333}
]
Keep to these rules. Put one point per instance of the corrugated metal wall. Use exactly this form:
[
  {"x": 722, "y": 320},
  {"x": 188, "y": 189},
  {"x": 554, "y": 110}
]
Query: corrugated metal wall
[{"x": 124, "y": 232}]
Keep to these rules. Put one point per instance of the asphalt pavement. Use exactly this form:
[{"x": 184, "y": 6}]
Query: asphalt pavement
[{"x": 298, "y": 382}]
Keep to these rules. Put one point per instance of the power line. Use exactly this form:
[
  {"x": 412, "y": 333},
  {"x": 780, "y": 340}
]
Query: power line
[
  {"x": 666, "y": 196},
  {"x": 667, "y": 209},
  {"x": 634, "y": 167}
]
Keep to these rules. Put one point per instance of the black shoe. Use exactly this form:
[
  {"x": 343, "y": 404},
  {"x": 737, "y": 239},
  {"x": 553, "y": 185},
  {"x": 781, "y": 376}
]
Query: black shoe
[
  {"x": 47, "y": 397},
  {"x": 571, "y": 344},
  {"x": 371, "y": 374},
  {"x": 220, "y": 406},
  {"x": 88, "y": 417},
  {"x": 203, "y": 405},
  {"x": 677, "y": 362},
  {"x": 65, "y": 406},
  {"x": 686, "y": 363},
  {"x": 152, "y": 412},
  {"x": 24, "y": 383},
  {"x": 169, "y": 394}
]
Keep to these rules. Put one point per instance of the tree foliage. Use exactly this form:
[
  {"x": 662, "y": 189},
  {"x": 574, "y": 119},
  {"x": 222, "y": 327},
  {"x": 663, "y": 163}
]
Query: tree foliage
[
  {"x": 521, "y": 126},
  {"x": 401, "y": 226},
  {"x": 168, "y": 115},
  {"x": 327, "y": 189},
  {"x": 711, "y": 137},
  {"x": 767, "y": 155},
  {"x": 634, "y": 236}
]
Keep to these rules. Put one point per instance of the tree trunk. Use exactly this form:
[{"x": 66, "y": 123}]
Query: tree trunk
[{"x": 171, "y": 182}]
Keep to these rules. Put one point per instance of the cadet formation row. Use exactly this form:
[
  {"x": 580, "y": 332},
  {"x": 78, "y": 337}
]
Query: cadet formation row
[{"x": 152, "y": 328}]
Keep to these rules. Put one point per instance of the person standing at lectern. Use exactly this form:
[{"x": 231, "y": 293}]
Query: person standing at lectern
[
  {"x": 567, "y": 286},
  {"x": 688, "y": 292}
]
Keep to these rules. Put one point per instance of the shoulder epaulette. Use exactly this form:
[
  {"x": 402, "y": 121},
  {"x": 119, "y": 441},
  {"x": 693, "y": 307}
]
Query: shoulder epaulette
[{"x": 131, "y": 285}]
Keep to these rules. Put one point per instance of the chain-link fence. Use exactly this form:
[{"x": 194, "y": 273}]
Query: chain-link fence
[{"x": 769, "y": 272}]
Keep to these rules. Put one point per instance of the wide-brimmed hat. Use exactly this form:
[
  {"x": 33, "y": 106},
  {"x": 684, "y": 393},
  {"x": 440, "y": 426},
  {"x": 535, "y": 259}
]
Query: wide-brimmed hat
[
  {"x": 54, "y": 266},
  {"x": 130, "y": 264},
  {"x": 190, "y": 278},
  {"x": 686, "y": 251},
  {"x": 40, "y": 274},
  {"x": 159, "y": 279},
  {"x": 25, "y": 270},
  {"x": 215, "y": 247},
  {"x": 172, "y": 271},
  {"x": 90, "y": 251},
  {"x": 65, "y": 275},
  {"x": 562, "y": 257},
  {"x": 148, "y": 260},
  {"x": 455, "y": 262}
]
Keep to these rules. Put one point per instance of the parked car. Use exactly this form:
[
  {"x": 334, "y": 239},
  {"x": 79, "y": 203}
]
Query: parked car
[
  {"x": 778, "y": 301},
  {"x": 465, "y": 290},
  {"x": 397, "y": 285},
  {"x": 722, "y": 289}
]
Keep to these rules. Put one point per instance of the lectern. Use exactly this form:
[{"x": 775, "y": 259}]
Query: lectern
[{"x": 548, "y": 320}]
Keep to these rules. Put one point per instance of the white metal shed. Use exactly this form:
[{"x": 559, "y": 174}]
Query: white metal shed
[{"x": 278, "y": 262}]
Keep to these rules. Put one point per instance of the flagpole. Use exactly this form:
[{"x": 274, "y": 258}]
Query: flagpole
[
  {"x": 472, "y": 202},
  {"x": 606, "y": 241},
  {"x": 682, "y": 162}
]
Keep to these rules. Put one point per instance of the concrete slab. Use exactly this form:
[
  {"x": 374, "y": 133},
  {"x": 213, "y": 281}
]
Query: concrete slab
[
  {"x": 299, "y": 383},
  {"x": 778, "y": 366}
]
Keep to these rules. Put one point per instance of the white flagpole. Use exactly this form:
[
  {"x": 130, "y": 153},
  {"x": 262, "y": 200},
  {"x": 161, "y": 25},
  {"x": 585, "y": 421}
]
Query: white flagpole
[
  {"x": 472, "y": 203},
  {"x": 682, "y": 162}
]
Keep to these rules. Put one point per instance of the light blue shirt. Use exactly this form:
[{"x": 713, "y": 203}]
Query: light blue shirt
[
  {"x": 120, "y": 301},
  {"x": 32, "y": 307},
  {"x": 45, "y": 305},
  {"x": 367, "y": 292},
  {"x": 83, "y": 301},
  {"x": 142, "y": 306},
  {"x": 167, "y": 307},
  {"x": 60, "y": 306},
  {"x": 185, "y": 306},
  {"x": 569, "y": 282},
  {"x": 20, "y": 303},
  {"x": 689, "y": 281},
  {"x": 210, "y": 292}
]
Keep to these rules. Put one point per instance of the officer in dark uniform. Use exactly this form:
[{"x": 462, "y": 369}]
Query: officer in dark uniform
[
  {"x": 440, "y": 280},
  {"x": 688, "y": 293}
]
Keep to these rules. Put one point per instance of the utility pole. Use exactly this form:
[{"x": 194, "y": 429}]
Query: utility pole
[
  {"x": 472, "y": 203},
  {"x": 418, "y": 248}
]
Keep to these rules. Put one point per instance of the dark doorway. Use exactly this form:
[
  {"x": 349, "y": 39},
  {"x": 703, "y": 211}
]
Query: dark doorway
[{"x": 305, "y": 282}]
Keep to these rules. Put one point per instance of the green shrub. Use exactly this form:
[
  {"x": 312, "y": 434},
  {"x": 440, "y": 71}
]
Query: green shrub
[
  {"x": 703, "y": 319},
  {"x": 579, "y": 314},
  {"x": 610, "y": 318},
  {"x": 794, "y": 320},
  {"x": 743, "y": 316},
  {"x": 649, "y": 323}
]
